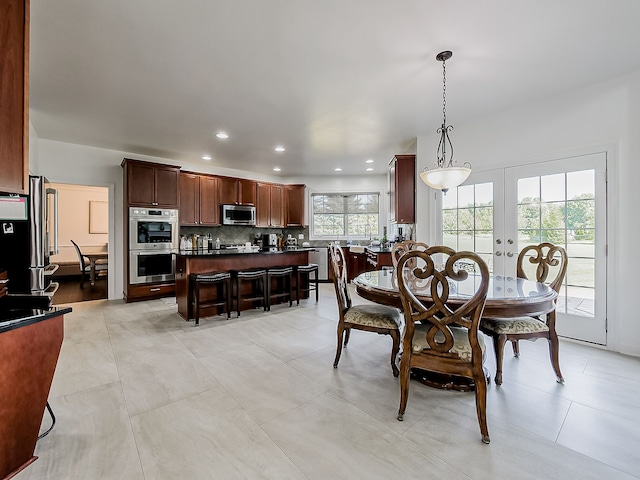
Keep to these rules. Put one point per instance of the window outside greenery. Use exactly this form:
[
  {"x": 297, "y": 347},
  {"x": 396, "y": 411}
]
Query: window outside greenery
[{"x": 338, "y": 215}]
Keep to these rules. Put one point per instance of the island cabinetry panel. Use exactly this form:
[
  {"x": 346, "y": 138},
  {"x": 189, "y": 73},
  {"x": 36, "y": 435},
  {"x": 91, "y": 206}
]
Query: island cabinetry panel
[
  {"x": 188, "y": 264},
  {"x": 402, "y": 189},
  {"x": 151, "y": 184},
  {"x": 199, "y": 199},
  {"x": 269, "y": 205},
  {"x": 28, "y": 355},
  {"x": 14, "y": 96},
  {"x": 294, "y": 205}
]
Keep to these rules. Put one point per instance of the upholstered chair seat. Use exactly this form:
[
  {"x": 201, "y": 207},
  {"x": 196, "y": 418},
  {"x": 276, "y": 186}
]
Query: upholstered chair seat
[
  {"x": 461, "y": 345},
  {"x": 514, "y": 326},
  {"x": 377, "y": 316}
]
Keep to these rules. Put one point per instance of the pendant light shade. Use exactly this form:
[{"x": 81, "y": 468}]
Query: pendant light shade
[
  {"x": 446, "y": 174},
  {"x": 446, "y": 177}
]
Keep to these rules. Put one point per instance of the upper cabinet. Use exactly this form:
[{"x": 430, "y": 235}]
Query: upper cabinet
[
  {"x": 269, "y": 205},
  {"x": 199, "y": 199},
  {"x": 14, "y": 96},
  {"x": 294, "y": 205},
  {"x": 236, "y": 190},
  {"x": 151, "y": 184},
  {"x": 402, "y": 189}
]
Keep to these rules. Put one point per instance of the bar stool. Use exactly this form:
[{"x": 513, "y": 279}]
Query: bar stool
[
  {"x": 259, "y": 288},
  {"x": 284, "y": 287},
  {"x": 198, "y": 281},
  {"x": 306, "y": 271}
]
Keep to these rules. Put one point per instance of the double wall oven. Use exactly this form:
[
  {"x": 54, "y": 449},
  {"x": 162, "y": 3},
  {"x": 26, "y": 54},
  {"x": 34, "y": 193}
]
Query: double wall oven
[{"x": 153, "y": 241}]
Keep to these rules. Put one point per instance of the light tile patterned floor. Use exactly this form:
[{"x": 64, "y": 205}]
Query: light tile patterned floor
[{"x": 141, "y": 394}]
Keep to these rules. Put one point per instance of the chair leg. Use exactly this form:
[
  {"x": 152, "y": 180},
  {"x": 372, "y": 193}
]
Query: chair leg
[
  {"x": 346, "y": 336},
  {"x": 554, "y": 347},
  {"x": 481, "y": 404},
  {"x": 290, "y": 284},
  {"x": 339, "y": 348},
  {"x": 516, "y": 348},
  {"x": 316, "y": 282},
  {"x": 498, "y": 346},
  {"x": 395, "y": 336},
  {"x": 404, "y": 383},
  {"x": 81, "y": 280}
]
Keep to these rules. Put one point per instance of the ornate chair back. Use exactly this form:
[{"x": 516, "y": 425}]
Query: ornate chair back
[
  {"x": 401, "y": 248},
  {"x": 544, "y": 263},
  {"x": 340, "y": 283}
]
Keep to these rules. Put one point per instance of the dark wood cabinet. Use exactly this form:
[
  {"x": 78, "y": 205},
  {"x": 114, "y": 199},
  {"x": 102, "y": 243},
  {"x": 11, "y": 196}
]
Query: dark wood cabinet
[
  {"x": 402, "y": 189},
  {"x": 199, "y": 199},
  {"x": 376, "y": 260},
  {"x": 236, "y": 190},
  {"x": 14, "y": 96},
  {"x": 356, "y": 264},
  {"x": 247, "y": 192},
  {"x": 151, "y": 185},
  {"x": 294, "y": 205},
  {"x": 269, "y": 205}
]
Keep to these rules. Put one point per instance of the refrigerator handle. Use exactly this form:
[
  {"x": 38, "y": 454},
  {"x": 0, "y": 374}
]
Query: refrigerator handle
[{"x": 54, "y": 192}]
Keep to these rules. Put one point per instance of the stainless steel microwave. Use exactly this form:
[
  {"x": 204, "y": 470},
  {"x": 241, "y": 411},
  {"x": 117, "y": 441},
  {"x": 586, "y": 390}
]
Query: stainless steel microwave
[{"x": 238, "y": 215}]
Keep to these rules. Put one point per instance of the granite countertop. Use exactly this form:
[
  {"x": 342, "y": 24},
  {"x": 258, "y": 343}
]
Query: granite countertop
[
  {"x": 378, "y": 249},
  {"x": 18, "y": 311},
  {"x": 236, "y": 251}
]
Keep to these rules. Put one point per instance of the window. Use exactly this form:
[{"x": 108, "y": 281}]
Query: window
[{"x": 337, "y": 215}]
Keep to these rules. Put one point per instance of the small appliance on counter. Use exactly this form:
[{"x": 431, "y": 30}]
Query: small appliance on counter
[
  {"x": 291, "y": 242},
  {"x": 269, "y": 241}
]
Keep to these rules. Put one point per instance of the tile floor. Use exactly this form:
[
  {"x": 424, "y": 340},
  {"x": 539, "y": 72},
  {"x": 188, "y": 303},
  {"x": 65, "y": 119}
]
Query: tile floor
[{"x": 141, "y": 394}]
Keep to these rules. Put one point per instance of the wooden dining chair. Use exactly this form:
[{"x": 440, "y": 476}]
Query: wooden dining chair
[
  {"x": 403, "y": 247},
  {"x": 380, "y": 319},
  {"x": 544, "y": 263},
  {"x": 85, "y": 266},
  {"x": 441, "y": 337}
]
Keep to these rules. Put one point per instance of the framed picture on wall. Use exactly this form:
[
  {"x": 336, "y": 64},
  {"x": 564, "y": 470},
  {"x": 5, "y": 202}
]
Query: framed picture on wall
[{"x": 98, "y": 217}]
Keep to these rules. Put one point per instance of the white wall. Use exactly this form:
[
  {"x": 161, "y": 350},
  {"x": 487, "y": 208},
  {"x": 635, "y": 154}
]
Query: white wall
[{"x": 606, "y": 115}]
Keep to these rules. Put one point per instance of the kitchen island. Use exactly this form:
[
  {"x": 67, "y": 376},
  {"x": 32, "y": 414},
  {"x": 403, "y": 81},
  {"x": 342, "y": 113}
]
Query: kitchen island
[
  {"x": 30, "y": 340},
  {"x": 226, "y": 260}
]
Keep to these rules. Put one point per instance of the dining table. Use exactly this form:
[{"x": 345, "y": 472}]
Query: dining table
[
  {"x": 507, "y": 296},
  {"x": 93, "y": 258}
]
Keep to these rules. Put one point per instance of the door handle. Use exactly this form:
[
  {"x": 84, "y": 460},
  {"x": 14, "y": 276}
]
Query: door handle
[
  {"x": 498, "y": 254},
  {"x": 509, "y": 254}
]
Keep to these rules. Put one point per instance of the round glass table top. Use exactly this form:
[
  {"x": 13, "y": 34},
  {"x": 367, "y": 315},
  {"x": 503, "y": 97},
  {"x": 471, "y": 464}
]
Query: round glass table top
[{"x": 507, "y": 296}]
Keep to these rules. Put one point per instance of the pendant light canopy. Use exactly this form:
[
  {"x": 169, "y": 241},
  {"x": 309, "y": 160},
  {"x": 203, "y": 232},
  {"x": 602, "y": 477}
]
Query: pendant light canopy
[{"x": 446, "y": 174}]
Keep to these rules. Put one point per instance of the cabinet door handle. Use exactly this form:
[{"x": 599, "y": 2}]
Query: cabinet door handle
[{"x": 154, "y": 290}]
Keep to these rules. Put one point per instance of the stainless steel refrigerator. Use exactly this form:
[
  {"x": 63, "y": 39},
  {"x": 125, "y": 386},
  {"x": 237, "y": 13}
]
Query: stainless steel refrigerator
[{"x": 28, "y": 237}]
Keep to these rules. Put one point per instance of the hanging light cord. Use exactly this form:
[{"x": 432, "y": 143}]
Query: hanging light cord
[{"x": 444, "y": 129}]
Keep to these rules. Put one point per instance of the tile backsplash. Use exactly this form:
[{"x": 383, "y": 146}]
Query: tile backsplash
[{"x": 239, "y": 235}]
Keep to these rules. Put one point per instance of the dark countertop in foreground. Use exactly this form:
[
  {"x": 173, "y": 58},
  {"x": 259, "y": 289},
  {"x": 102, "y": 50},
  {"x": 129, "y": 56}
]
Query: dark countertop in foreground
[
  {"x": 16, "y": 312},
  {"x": 235, "y": 251}
]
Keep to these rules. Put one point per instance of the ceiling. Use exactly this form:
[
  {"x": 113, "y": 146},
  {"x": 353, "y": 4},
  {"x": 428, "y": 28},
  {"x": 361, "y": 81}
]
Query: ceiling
[{"x": 336, "y": 82}]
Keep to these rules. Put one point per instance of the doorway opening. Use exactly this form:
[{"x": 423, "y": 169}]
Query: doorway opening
[{"x": 83, "y": 217}]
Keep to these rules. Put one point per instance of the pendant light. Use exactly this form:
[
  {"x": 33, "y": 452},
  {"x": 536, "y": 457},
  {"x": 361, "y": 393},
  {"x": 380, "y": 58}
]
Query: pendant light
[{"x": 446, "y": 174}]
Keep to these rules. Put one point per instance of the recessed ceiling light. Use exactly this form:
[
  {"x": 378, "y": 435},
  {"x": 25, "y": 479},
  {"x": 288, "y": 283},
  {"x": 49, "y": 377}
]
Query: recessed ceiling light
[
  {"x": 369, "y": 161},
  {"x": 206, "y": 157},
  {"x": 338, "y": 169},
  {"x": 279, "y": 148},
  {"x": 369, "y": 169},
  {"x": 276, "y": 169},
  {"x": 222, "y": 135}
]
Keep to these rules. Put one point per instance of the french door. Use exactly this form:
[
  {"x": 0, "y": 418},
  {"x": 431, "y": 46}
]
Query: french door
[{"x": 499, "y": 212}]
